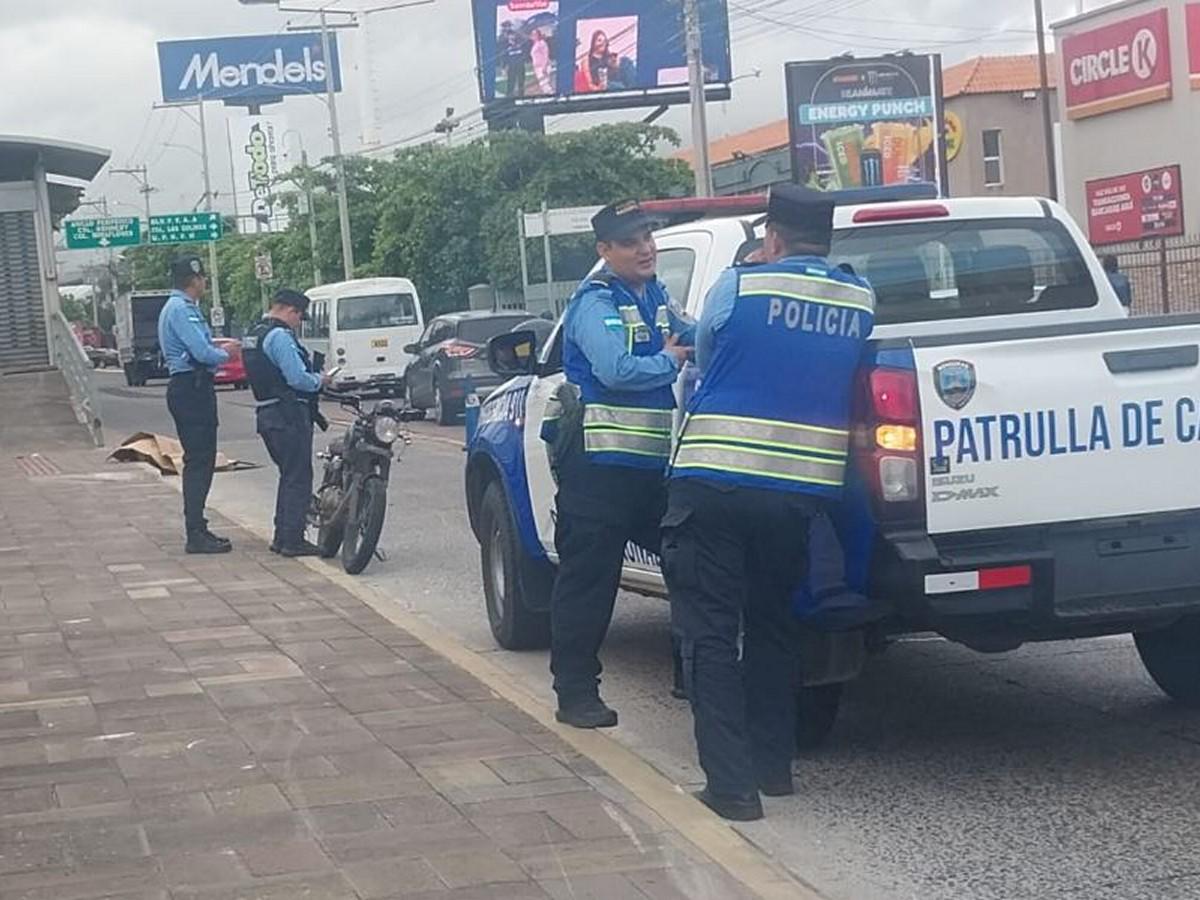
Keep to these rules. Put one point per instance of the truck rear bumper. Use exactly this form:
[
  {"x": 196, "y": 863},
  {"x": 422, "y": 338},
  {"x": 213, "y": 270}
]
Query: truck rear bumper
[{"x": 1045, "y": 583}]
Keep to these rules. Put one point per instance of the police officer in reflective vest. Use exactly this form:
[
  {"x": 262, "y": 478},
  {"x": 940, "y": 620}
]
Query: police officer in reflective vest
[
  {"x": 623, "y": 348},
  {"x": 191, "y": 356},
  {"x": 285, "y": 389},
  {"x": 763, "y": 447}
]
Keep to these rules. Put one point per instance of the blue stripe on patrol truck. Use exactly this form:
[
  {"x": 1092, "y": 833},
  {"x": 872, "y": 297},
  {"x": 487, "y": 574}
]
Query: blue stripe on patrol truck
[{"x": 501, "y": 436}]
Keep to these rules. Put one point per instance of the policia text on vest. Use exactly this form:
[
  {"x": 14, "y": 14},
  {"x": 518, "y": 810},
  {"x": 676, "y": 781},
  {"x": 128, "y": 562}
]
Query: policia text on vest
[{"x": 622, "y": 352}]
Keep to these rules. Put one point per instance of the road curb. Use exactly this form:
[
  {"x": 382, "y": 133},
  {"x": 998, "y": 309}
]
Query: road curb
[{"x": 714, "y": 837}]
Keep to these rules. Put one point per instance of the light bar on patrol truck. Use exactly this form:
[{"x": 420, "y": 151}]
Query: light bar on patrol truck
[{"x": 676, "y": 211}]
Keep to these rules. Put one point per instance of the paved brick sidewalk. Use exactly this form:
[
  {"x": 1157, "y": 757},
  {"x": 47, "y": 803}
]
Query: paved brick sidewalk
[{"x": 242, "y": 727}]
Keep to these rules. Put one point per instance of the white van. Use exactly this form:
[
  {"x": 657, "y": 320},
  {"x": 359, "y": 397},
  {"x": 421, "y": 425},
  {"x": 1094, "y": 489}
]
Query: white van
[{"x": 363, "y": 326}]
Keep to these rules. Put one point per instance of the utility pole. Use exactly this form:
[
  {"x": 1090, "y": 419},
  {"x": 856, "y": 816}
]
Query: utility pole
[
  {"x": 312, "y": 216},
  {"x": 695, "y": 61},
  {"x": 1047, "y": 115},
  {"x": 208, "y": 198},
  {"x": 141, "y": 173},
  {"x": 338, "y": 160},
  {"x": 237, "y": 218}
]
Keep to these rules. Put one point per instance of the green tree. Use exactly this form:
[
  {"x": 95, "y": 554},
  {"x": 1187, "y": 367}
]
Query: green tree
[{"x": 443, "y": 216}]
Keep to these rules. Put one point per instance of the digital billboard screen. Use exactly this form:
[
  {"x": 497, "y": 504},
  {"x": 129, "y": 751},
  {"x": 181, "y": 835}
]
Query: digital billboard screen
[
  {"x": 597, "y": 54},
  {"x": 858, "y": 123}
]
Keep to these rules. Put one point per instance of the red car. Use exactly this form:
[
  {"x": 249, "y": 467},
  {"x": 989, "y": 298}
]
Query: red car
[{"x": 234, "y": 371}]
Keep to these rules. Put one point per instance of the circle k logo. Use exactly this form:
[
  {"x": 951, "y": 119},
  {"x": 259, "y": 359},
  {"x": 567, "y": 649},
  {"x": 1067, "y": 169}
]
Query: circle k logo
[{"x": 1145, "y": 53}]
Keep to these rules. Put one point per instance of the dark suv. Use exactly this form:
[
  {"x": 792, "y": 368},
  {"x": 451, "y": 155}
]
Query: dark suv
[{"x": 453, "y": 348}]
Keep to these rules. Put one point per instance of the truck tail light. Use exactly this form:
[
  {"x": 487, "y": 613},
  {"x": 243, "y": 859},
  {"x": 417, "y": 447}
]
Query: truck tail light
[{"x": 889, "y": 446}]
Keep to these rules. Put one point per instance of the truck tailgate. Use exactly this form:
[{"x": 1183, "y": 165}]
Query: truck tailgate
[{"x": 1060, "y": 424}]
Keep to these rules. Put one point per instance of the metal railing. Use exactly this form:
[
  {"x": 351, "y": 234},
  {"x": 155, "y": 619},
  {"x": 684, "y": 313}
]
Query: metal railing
[
  {"x": 78, "y": 372},
  {"x": 1164, "y": 273}
]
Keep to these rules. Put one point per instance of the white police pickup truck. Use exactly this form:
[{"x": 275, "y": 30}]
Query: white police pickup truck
[{"x": 1025, "y": 455}]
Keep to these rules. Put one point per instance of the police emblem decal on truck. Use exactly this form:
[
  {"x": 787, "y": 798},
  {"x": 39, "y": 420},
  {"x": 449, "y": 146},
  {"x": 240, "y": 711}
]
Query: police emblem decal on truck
[{"x": 955, "y": 382}]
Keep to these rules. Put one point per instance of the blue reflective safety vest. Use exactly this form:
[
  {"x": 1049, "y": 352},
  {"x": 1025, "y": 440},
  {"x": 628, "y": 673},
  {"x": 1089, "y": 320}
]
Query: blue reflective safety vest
[
  {"x": 625, "y": 428},
  {"x": 773, "y": 409}
]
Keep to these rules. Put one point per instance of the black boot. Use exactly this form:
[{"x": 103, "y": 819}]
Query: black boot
[
  {"x": 301, "y": 548},
  {"x": 217, "y": 537},
  {"x": 203, "y": 542},
  {"x": 735, "y": 809},
  {"x": 591, "y": 713}
]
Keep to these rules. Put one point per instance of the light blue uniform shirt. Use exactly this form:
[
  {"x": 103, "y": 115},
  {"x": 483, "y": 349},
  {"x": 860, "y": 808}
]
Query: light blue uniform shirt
[
  {"x": 280, "y": 347},
  {"x": 587, "y": 326},
  {"x": 184, "y": 337}
]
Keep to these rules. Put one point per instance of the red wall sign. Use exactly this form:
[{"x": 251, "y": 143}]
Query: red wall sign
[
  {"x": 1118, "y": 66},
  {"x": 1193, "y": 33},
  {"x": 1135, "y": 206}
]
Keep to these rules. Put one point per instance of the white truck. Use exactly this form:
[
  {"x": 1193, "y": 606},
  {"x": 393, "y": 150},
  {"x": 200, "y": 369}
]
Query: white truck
[
  {"x": 1022, "y": 450},
  {"x": 137, "y": 336}
]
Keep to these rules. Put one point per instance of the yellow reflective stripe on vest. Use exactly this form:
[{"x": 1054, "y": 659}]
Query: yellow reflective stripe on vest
[
  {"x": 622, "y": 441},
  {"x": 656, "y": 420},
  {"x": 763, "y": 463},
  {"x": 766, "y": 432},
  {"x": 662, "y": 320},
  {"x": 804, "y": 287}
]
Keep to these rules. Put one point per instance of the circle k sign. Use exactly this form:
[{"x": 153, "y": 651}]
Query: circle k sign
[{"x": 1119, "y": 65}]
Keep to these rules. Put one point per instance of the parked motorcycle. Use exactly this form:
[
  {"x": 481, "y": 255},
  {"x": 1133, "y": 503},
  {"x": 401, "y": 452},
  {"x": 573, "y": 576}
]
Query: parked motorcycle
[{"x": 349, "y": 506}]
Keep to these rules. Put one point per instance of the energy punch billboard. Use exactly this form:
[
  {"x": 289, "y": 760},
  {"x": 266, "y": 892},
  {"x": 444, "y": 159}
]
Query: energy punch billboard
[
  {"x": 245, "y": 70},
  {"x": 574, "y": 55},
  {"x": 858, "y": 123}
]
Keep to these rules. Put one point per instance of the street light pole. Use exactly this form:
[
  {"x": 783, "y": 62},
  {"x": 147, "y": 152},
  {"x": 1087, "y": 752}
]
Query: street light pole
[
  {"x": 208, "y": 198},
  {"x": 695, "y": 61},
  {"x": 312, "y": 216},
  {"x": 1047, "y": 115},
  {"x": 338, "y": 160}
]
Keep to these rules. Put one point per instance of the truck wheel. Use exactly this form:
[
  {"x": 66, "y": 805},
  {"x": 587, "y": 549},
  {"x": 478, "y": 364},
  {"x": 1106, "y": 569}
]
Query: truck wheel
[
  {"x": 816, "y": 711},
  {"x": 1172, "y": 657},
  {"x": 516, "y": 589}
]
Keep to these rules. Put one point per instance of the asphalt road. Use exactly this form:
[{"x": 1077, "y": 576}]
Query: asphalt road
[{"x": 1053, "y": 771}]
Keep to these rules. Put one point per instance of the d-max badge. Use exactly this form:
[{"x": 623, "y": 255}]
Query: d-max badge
[{"x": 955, "y": 382}]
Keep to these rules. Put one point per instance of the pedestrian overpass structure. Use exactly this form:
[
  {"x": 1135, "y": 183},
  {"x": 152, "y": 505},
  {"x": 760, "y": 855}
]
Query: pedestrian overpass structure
[{"x": 41, "y": 182}]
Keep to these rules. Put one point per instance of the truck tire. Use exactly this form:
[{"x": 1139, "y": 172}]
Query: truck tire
[
  {"x": 816, "y": 712},
  {"x": 1172, "y": 657},
  {"x": 516, "y": 589}
]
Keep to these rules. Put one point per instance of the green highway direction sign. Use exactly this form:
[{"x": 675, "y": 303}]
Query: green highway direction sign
[
  {"x": 93, "y": 234},
  {"x": 185, "y": 228}
]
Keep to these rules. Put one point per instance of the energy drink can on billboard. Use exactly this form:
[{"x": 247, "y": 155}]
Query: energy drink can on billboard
[
  {"x": 872, "y": 168},
  {"x": 845, "y": 146}
]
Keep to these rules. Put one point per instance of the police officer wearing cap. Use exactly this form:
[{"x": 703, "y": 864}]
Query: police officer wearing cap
[
  {"x": 285, "y": 388},
  {"x": 623, "y": 349},
  {"x": 191, "y": 356},
  {"x": 762, "y": 450}
]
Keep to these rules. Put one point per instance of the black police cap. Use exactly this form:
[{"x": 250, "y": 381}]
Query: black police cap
[
  {"x": 288, "y": 297},
  {"x": 618, "y": 221},
  {"x": 187, "y": 266},
  {"x": 807, "y": 212}
]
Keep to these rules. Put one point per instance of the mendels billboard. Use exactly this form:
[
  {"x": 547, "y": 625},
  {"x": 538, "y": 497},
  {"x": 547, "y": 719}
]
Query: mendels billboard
[{"x": 247, "y": 69}]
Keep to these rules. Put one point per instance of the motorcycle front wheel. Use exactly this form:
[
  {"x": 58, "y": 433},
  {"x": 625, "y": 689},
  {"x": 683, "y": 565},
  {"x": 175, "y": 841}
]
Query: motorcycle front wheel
[{"x": 364, "y": 524}]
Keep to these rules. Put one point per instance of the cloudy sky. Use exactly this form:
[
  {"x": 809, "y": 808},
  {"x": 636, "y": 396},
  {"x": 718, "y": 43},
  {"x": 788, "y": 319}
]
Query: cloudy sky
[{"x": 86, "y": 70}]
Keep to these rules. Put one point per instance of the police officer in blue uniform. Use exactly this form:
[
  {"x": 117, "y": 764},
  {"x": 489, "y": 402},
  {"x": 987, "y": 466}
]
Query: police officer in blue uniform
[
  {"x": 285, "y": 389},
  {"x": 763, "y": 449},
  {"x": 624, "y": 345},
  {"x": 191, "y": 356}
]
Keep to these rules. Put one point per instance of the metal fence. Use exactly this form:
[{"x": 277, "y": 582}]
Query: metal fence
[
  {"x": 1165, "y": 274},
  {"x": 68, "y": 355}
]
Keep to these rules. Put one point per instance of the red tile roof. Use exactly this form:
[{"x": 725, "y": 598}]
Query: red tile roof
[
  {"x": 995, "y": 75},
  {"x": 981, "y": 75}
]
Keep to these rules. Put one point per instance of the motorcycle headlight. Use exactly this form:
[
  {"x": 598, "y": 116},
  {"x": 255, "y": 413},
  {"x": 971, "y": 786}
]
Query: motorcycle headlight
[{"x": 386, "y": 430}]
